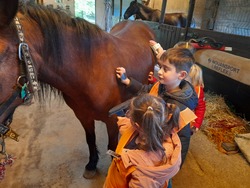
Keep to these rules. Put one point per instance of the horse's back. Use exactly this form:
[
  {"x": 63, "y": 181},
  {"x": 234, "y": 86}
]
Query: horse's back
[
  {"x": 178, "y": 19},
  {"x": 129, "y": 28}
]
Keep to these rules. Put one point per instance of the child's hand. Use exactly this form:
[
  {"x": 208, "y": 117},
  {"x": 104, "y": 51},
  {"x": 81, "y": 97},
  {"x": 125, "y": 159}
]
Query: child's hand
[
  {"x": 121, "y": 74},
  {"x": 152, "y": 42},
  {"x": 151, "y": 78},
  {"x": 156, "y": 47}
]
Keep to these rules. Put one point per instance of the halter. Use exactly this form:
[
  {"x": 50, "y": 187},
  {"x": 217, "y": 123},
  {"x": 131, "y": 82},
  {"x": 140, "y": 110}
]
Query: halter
[{"x": 26, "y": 85}]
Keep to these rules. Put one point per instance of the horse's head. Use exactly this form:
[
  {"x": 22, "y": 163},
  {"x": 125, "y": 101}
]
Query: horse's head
[
  {"x": 131, "y": 10},
  {"x": 145, "y": 2},
  {"x": 11, "y": 78}
]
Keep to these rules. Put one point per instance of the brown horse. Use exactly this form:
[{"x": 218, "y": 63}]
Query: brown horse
[
  {"x": 72, "y": 57},
  {"x": 146, "y": 13}
]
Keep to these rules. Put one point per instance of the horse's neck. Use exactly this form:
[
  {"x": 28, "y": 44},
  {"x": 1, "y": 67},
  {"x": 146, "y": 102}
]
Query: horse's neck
[
  {"x": 145, "y": 2},
  {"x": 146, "y": 13}
]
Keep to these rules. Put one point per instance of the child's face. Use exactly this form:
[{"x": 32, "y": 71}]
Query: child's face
[{"x": 168, "y": 75}]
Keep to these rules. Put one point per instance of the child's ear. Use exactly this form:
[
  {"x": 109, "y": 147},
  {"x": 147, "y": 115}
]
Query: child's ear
[{"x": 183, "y": 75}]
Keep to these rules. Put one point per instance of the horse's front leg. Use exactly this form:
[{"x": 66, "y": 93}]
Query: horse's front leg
[
  {"x": 90, "y": 168},
  {"x": 88, "y": 124}
]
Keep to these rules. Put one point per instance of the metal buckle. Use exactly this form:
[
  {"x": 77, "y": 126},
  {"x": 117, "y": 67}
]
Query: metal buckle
[
  {"x": 3, "y": 129},
  {"x": 13, "y": 135},
  {"x": 20, "y": 50}
]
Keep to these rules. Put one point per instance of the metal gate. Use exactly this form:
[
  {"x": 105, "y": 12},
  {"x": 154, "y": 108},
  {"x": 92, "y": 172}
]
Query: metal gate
[{"x": 167, "y": 35}]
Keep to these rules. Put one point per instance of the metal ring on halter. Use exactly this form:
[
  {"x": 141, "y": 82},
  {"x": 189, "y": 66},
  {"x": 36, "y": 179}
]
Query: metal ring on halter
[
  {"x": 18, "y": 81},
  {"x": 20, "y": 50}
]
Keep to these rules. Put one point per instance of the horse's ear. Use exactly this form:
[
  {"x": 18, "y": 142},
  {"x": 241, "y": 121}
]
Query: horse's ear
[{"x": 8, "y": 9}]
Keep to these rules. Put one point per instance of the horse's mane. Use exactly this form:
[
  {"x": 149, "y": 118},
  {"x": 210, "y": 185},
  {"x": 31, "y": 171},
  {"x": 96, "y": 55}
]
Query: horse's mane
[{"x": 52, "y": 22}]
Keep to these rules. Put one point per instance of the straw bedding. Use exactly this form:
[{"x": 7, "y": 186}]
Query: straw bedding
[{"x": 220, "y": 123}]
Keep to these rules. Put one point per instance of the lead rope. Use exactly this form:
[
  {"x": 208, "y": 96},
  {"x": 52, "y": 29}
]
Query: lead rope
[{"x": 5, "y": 159}]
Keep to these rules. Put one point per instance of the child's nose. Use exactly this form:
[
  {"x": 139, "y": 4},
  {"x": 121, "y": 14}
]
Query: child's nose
[{"x": 160, "y": 70}]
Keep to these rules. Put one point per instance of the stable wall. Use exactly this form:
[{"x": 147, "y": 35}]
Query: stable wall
[
  {"x": 181, "y": 6},
  {"x": 172, "y": 5},
  {"x": 227, "y": 16},
  {"x": 233, "y": 17}
]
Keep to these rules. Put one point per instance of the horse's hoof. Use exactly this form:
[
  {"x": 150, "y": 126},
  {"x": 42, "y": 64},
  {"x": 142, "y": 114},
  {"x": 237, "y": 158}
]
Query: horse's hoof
[{"x": 88, "y": 174}]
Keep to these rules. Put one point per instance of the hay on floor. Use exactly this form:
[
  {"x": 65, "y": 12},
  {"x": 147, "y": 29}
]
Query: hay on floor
[{"x": 220, "y": 123}]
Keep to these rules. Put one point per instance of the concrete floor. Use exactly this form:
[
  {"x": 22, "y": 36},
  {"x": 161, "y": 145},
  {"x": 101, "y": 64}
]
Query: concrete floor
[{"x": 52, "y": 152}]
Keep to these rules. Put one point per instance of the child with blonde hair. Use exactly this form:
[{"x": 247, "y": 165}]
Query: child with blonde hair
[{"x": 195, "y": 77}]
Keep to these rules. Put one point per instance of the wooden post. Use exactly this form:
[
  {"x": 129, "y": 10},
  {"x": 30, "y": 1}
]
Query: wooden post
[
  {"x": 190, "y": 16},
  {"x": 108, "y": 18},
  {"x": 163, "y": 8}
]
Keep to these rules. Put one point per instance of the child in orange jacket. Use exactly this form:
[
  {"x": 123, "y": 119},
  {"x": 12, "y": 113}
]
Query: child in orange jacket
[{"x": 149, "y": 150}]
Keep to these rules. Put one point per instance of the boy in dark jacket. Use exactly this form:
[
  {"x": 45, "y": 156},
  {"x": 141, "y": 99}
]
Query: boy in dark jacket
[{"x": 175, "y": 64}]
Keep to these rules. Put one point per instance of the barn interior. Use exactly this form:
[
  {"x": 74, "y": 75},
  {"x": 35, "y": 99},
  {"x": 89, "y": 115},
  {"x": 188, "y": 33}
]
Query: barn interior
[{"x": 58, "y": 156}]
